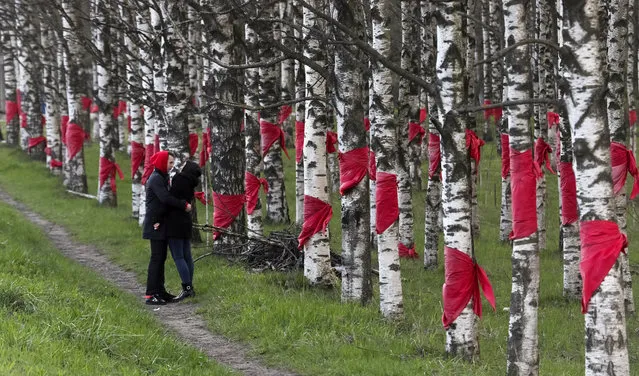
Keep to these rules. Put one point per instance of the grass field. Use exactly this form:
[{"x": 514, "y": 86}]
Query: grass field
[{"x": 308, "y": 330}]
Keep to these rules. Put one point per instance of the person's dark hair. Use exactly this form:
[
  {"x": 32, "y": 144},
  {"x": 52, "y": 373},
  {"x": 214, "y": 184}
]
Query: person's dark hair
[{"x": 172, "y": 154}]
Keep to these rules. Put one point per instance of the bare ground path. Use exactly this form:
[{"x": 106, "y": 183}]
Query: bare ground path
[{"x": 181, "y": 318}]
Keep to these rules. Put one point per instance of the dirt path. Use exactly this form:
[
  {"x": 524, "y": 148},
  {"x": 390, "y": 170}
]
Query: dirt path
[{"x": 192, "y": 330}]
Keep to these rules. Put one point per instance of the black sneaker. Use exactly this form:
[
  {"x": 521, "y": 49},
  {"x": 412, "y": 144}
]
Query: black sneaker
[
  {"x": 187, "y": 292},
  {"x": 155, "y": 299},
  {"x": 169, "y": 298}
]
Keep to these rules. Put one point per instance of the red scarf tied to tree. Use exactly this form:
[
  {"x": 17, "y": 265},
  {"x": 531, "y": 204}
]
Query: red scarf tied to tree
[
  {"x": 434, "y": 154},
  {"x": 205, "y": 154},
  {"x": 331, "y": 140},
  {"x": 496, "y": 113},
  {"x": 226, "y": 209},
  {"x": 406, "y": 252},
  {"x": 568, "y": 185},
  {"x": 108, "y": 169},
  {"x": 193, "y": 141},
  {"x": 270, "y": 134},
  {"x": 632, "y": 117},
  {"x": 353, "y": 166},
  {"x": 252, "y": 186},
  {"x": 474, "y": 145},
  {"x": 372, "y": 166},
  {"x": 201, "y": 196},
  {"x": 416, "y": 130},
  {"x": 601, "y": 244},
  {"x": 317, "y": 215},
  {"x": 148, "y": 166},
  {"x": 367, "y": 123},
  {"x": 464, "y": 278},
  {"x": 523, "y": 184},
  {"x": 387, "y": 204},
  {"x": 75, "y": 139},
  {"x": 35, "y": 141},
  {"x": 64, "y": 122},
  {"x": 505, "y": 155},
  {"x": 623, "y": 162},
  {"x": 137, "y": 156},
  {"x": 11, "y": 110},
  {"x": 86, "y": 103},
  {"x": 299, "y": 141},
  {"x": 542, "y": 157}
]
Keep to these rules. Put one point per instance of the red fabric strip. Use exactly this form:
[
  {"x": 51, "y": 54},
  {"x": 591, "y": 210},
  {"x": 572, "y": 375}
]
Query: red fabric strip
[
  {"x": 632, "y": 117},
  {"x": 415, "y": 130},
  {"x": 623, "y": 162},
  {"x": 270, "y": 134},
  {"x": 137, "y": 156},
  {"x": 75, "y": 140},
  {"x": 86, "y": 103},
  {"x": 47, "y": 151},
  {"x": 317, "y": 215},
  {"x": 372, "y": 166},
  {"x": 226, "y": 209},
  {"x": 542, "y": 155},
  {"x": 64, "y": 121},
  {"x": 35, "y": 141},
  {"x": 108, "y": 169},
  {"x": 405, "y": 252},
  {"x": 11, "y": 110},
  {"x": 299, "y": 141},
  {"x": 523, "y": 184},
  {"x": 474, "y": 145},
  {"x": 95, "y": 109},
  {"x": 463, "y": 280},
  {"x": 496, "y": 112},
  {"x": 331, "y": 140},
  {"x": 201, "y": 196},
  {"x": 120, "y": 109},
  {"x": 601, "y": 243},
  {"x": 434, "y": 154},
  {"x": 552, "y": 118},
  {"x": 353, "y": 166},
  {"x": 54, "y": 163},
  {"x": 205, "y": 154},
  {"x": 569, "y": 211},
  {"x": 252, "y": 186},
  {"x": 193, "y": 141},
  {"x": 285, "y": 112},
  {"x": 387, "y": 206},
  {"x": 505, "y": 155},
  {"x": 367, "y": 123},
  {"x": 148, "y": 166},
  {"x": 422, "y": 115}
]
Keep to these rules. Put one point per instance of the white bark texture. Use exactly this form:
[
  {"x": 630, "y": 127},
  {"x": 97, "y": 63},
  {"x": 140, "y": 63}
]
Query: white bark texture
[
  {"x": 146, "y": 76},
  {"x": 523, "y": 348},
  {"x": 384, "y": 144},
  {"x": 300, "y": 113},
  {"x": 9, "y": 59},
  {"x": 49, "y": 79},
  {"x": 605, "y": 320},
  {"x": 159, "y": 82}
]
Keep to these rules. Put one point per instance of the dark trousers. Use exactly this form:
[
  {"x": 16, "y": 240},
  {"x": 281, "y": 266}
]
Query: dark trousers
[
  {"x": 181, "y": 252},
  {"x": 155, "y": 274}
]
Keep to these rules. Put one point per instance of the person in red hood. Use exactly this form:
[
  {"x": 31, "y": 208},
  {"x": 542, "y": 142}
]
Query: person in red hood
[{"x": 158, "y": 199}]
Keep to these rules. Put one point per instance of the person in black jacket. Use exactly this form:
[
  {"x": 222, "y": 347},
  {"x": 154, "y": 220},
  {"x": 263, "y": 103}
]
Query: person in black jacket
[
  {"x": 180, "y": 226},
  {"x": 158, "y": 199}
]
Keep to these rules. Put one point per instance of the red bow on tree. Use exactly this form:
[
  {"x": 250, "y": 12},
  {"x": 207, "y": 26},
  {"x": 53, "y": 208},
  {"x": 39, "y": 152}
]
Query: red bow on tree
[{"x": 108, "y": 169}]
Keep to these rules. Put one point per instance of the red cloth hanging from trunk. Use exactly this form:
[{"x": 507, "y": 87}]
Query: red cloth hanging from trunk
[
  {"x": 226, "y": 209},
  {"x": 496, "y": 112},
  {"x": 108, "y": 169},
  {"x": 372, "y": 166},
  {"x": 542, "y": 157},
  {"x": 54, "y": 163},
  {"x": 148, "y": 166},
  {"x": 35, "y": 141},
  {"x": 601, "y": 243},
  {"x": 406, "y": 252},
  {"x": 270, "y": 134},
  {"x": 463, "y": 280},
  {"x": 201, "y": 196},
  {"x": 552, "y": 118},
  {"x": 11, "y": 110},
  {"x": 422, "y": 115},
  {"x": 415, "y": 130},
  {"x": 86, "y": 103},
  {"x": 331, "y": 140},
  {"x": 569, "y": 211},
  {"x": 64, "y": 122},
  {"x": 632, "y": 117},
  {"x": 505, "y": 155},
  {"x": 317, "y": 215},
  {"x": 285, "y": 112},
  {"x": 205, "y": 154},
  {"x": 193, "y": 141},
  {"x": 120, "y": 109},
  {"x": 367, "y": 123},
  {"x": 299, "y": 141},
  {"x": 623, "y": 162},
  {"x": 353, "y": 166},
  {"x": 75, "y": 140},
  {"x": 434, "y": 154},
  {"x": 137, "y": 156},
  {"x": 523, "y": 184},
  {"x": 387, "y": 205},
  {"x": 95, "y": 109},
  {"x": 474, "y": 145},
  {"x": 252, "y": 186}
]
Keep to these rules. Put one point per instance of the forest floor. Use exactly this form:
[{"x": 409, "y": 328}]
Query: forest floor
[{"x": 180, "y": 318}]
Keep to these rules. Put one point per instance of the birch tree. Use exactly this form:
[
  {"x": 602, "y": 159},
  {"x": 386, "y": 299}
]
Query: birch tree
[
  {"x": 300, "y": 113},
  {"x": 12, "y": 118},
  {"x": 50, "y": 81}
]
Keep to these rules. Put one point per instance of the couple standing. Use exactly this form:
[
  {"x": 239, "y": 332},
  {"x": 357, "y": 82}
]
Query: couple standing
[{"x": 168, "y": 223}]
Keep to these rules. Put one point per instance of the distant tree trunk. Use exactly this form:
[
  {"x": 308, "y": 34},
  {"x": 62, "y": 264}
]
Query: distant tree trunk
[
  {"x": 471, "y": 120},
  {"x": 159, "y": 82},
  {"x": 433, "y": 205},
  {"x": 228, "y": 159},
  {"x": 50, "y": 81},
  {"x": 252, "y": 126},
  {"x": 300, "y": 113},
  {"x": 356, "y": 254},
  {"x": 617, "y": 115},
  {"x": 317, "y": 258},
  {"x": 605, "y": 319},
  {"x": 10, "y": 82},
  {"x": 523, "y": 348},
  {"x": 408, "y": 105},
  {"x": 276, "y": 205},
  {"x": 287, "y": 67},
  {"x": 384, "y": 143},
  {"x": 76, "y": 77}
]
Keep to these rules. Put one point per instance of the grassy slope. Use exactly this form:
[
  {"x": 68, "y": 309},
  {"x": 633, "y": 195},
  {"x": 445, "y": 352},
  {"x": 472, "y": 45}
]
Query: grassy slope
[
  {"x": 60, "y": 318},
  {"x": 308, "y": 329}
]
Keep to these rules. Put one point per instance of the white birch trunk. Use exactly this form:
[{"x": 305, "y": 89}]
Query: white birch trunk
[
  {"x": 159, "y": 82},
  {"x": 9, "y": 59},
  {"x": 50, "y": 81},
  {"x": 300, "y": 110}
]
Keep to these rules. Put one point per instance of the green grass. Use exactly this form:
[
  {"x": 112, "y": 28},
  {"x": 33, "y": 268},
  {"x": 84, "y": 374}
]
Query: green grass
[
  {"x": 57, "y": 317},
  {"x": 308, "y": 330}
]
